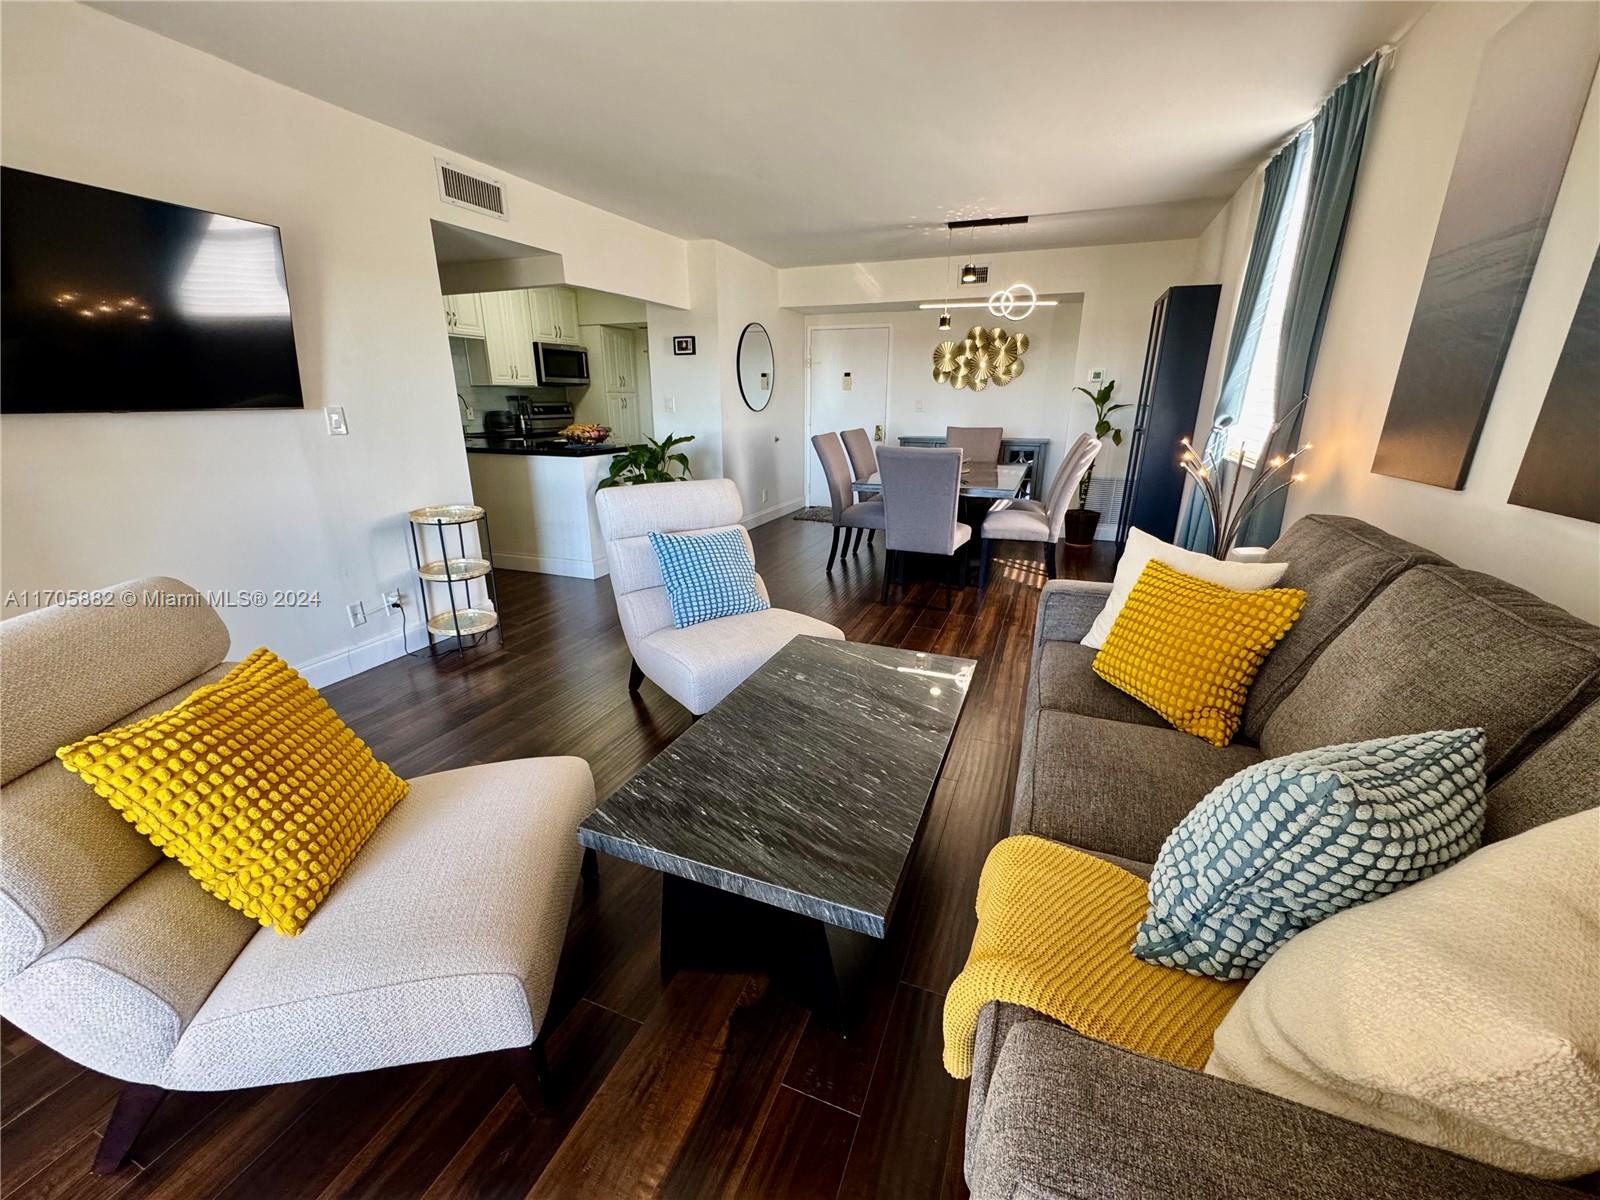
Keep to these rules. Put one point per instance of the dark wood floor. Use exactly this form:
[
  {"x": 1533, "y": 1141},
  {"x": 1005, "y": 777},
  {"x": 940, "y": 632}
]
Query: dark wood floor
[{"x": 714, "y": 1086}]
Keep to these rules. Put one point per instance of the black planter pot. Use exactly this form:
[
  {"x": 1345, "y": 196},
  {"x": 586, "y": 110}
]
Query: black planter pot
[{"x": 1080, "y": 526}]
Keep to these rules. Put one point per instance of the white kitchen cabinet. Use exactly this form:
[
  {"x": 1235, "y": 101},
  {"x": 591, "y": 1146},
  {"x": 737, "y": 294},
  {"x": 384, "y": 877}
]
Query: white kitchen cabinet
[
  {"x": 508, "y": 337},
  {"x": 611, "y": 359},
  {"x": 463, "y": 316},
  {"x": 622, "y": 411},
  {"x": 554, "y": 312}
]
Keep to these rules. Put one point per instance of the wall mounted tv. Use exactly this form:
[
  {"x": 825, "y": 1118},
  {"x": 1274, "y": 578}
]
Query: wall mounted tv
[{"x": 116, "y": 303}]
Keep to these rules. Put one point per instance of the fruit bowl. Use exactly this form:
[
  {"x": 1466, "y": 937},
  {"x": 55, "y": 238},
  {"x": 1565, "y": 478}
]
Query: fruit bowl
[{"x": 586, "y": 435}]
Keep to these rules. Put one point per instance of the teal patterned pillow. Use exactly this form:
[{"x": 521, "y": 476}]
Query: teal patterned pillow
[{"x": 1292, "y": 840}]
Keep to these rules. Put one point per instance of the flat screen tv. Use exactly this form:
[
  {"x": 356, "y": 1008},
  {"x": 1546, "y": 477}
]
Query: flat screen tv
[{"x": 116, "y": 303}]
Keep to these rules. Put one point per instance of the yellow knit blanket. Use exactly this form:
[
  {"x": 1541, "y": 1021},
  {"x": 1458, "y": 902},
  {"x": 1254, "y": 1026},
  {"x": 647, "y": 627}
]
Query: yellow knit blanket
[{"x": 1054, "y": 930}]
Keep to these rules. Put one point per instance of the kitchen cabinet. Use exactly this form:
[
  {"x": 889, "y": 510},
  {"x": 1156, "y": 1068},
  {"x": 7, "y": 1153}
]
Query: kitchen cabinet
[
  {"x": 554, "y": 314},
  {"x": 463, "y": 316},
  {"x": 610, "y": 349},
  {"x": 622, "y": 412},
  {"x": 508, "y": 337}
]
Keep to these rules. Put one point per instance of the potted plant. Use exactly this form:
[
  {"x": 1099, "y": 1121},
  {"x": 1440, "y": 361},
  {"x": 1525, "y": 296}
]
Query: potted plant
[
  {"x": 649, "y": 462},
  {"x": 1081, "y": 522}
]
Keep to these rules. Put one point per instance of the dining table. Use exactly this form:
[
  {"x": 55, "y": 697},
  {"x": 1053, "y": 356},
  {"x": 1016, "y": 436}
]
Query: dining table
[{"x": 979, "y": 481}]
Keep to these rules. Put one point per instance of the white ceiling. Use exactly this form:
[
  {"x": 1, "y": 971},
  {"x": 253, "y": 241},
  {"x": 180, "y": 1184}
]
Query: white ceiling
[{"x": 827, "y": 132}]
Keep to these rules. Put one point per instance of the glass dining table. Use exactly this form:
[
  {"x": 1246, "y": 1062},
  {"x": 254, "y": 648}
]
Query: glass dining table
[{"x": 979, "y": 481}]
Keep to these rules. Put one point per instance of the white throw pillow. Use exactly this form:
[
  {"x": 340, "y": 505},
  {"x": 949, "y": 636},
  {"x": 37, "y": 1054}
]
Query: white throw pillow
[
  {"x": 1142, "y": 547},
  {"x": 1462, "y": 1012}
]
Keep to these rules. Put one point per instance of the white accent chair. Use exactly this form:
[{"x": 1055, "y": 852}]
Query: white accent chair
[
  {"x": 1031, "y": 521},
  {"x": 111, "y": 955},
  {"x": 701, "y": 664}
]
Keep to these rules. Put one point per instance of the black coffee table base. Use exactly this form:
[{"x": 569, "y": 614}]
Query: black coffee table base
[{"x": 823, "y": 966}]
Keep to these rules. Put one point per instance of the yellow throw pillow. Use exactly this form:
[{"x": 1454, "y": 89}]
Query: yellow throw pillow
[
  {"x": 252, "y": 782},
  {"x": 1190, "y": 649}
]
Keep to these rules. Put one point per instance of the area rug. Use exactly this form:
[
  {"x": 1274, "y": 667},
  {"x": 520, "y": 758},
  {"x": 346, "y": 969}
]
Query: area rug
[{"x": 817, "y": 512}]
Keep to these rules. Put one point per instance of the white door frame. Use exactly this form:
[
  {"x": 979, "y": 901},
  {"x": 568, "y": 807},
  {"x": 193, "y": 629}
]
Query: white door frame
[{"x": 888, "y": 389}]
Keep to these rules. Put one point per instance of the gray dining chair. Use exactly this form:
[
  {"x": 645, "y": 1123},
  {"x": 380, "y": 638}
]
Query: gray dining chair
[
  {"x": 863, "y": 460},
  {"x": 1028, "y": 521},
  {"x": 863, "y": 463},
  {"x": 1057, "y": 481},
  {"x": 848, "y": 514},
  {"x": 921, "y": 490},
  {"x": 980, "y": 443}
]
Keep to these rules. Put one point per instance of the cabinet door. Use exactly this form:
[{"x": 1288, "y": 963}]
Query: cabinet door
[
  {"x": 619, "y": 359},
  {"x": 622, "y": 409},
  {"x": 507, "y": 341},
  {"x": 465, "y": 316},
  {"x": 542, "y": 314},
  {"x": 521, "y": 319},
  {"x": 566, "y": 314},
  {"x": 450, "y": 315}
]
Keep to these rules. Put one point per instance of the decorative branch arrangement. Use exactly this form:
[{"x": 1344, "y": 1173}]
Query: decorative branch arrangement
[{"x": 1228, "y": 513}]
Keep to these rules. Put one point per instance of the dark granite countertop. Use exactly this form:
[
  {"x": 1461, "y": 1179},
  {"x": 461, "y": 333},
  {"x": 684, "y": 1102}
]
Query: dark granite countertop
[
  {"x": 805, "y": 789},
  {"x": 483, "y": 444}
]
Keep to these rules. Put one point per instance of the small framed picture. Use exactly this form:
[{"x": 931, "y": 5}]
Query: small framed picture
[{"x": 683, "y": 345}]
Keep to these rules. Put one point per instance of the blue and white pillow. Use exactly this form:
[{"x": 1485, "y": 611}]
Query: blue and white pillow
[
  {"x": 1290, "y": 841},
  {"x": 708, "y": 575}
]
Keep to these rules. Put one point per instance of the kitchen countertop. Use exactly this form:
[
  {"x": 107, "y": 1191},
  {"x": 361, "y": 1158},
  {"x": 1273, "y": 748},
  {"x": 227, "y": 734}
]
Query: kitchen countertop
[{"x": 481, "y": 444}]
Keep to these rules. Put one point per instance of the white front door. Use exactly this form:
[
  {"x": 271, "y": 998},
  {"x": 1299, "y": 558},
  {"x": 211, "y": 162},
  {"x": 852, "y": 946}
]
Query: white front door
[{"x": 849, "y": 390}]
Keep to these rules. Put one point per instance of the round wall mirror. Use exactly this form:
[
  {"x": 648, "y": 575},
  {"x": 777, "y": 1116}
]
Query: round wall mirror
[{"x": 755, "y": 366}]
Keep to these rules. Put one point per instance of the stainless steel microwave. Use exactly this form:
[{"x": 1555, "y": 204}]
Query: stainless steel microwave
[{"x": 558, "y": 364}]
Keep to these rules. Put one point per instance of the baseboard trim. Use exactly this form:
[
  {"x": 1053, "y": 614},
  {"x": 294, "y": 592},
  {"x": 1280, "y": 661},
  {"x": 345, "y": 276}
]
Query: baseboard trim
[
  {"x": 781, "y": 509},
  {"x": 342, "y": 664},
  {"x": 573, "y": 568}
]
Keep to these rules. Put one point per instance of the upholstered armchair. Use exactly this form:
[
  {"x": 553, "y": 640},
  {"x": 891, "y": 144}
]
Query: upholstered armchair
[
  {"x": 700, "y": 664},
  {"x": 111, "y": 955}
]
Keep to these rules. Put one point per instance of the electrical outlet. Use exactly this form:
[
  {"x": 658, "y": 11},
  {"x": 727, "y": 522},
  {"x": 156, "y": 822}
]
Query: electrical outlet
[
  {"x": 337, "y": 427},
  {"x": 763, "y": 495},
  {"x": 919, "y": 404},
  {"x": 393, "y": 599},
  {"x": 358, "y": 614}
]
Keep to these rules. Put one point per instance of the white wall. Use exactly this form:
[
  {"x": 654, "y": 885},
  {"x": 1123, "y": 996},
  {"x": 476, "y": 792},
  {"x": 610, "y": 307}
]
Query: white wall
[
  {"x": 699, "y": 393},
  {"x": 1040, "y": 403},
  {"x": 685, "y": 389},
  {"x": 1421, "y": 112},
  {"x": 266, "y": 500},
  {"x": 763, "y": 452}
]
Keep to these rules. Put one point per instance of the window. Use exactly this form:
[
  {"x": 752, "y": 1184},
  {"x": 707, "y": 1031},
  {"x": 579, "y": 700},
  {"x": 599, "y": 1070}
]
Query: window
[{"x": 1258, "y": 412}]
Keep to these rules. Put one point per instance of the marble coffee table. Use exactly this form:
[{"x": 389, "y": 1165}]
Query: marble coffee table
[{"x": 784, "y": 820}]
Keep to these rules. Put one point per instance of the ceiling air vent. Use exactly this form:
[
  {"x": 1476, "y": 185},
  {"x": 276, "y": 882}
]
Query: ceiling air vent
[{"x": 457, "y": 187}]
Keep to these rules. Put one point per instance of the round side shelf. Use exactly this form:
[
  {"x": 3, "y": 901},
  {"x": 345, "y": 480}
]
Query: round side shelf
[
  {"x": 454, "y": 569},
  {"x": 469, "y": 614},
  {"x": 446, "y": 514},
  {"x": 471, "y": 621}
]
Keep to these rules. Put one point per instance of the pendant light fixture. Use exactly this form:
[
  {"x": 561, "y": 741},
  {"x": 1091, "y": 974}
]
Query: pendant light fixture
[
  {"x": 1014, "y": 303},
  {"x": 944, "y": 316}
]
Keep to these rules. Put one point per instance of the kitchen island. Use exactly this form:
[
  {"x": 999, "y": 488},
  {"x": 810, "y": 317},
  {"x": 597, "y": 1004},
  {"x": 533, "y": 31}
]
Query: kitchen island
[{"x": 541, "y": 504}]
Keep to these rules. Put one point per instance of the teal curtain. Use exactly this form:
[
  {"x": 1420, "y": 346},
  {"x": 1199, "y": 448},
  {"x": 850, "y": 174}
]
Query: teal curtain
[
  {"x": 1339, "y": 132},
  {"x": 1261, "y": 268}
]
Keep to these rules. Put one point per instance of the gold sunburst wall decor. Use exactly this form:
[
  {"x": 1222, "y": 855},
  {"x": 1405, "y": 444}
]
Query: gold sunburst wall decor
[{"x": 983, "y": 357}]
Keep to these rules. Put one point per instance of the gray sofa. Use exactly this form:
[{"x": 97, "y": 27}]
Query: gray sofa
[{"x": 1393, "y": 639}]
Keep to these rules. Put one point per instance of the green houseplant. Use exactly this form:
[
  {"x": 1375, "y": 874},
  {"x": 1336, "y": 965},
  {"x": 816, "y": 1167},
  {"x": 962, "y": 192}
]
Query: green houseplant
[
  {"x": 650, "y": 462},
  {"x": 1081, "y": 522}
]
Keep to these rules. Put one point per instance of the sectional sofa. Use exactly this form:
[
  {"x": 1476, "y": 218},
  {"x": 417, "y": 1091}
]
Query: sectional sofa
[{"x": 1393, "y": 639}]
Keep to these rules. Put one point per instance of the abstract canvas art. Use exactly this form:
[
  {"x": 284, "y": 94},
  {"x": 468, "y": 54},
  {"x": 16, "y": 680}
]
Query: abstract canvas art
[
  {"x": 1560, "y": 471},
  {"x": 1532, "y": 85}
]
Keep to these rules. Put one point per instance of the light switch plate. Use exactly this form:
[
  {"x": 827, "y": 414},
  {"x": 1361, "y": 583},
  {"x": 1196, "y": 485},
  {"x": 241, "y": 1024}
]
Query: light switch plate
[
  {"x": 1097, "y": 377},
  {"x": 336, "y": 422}
]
